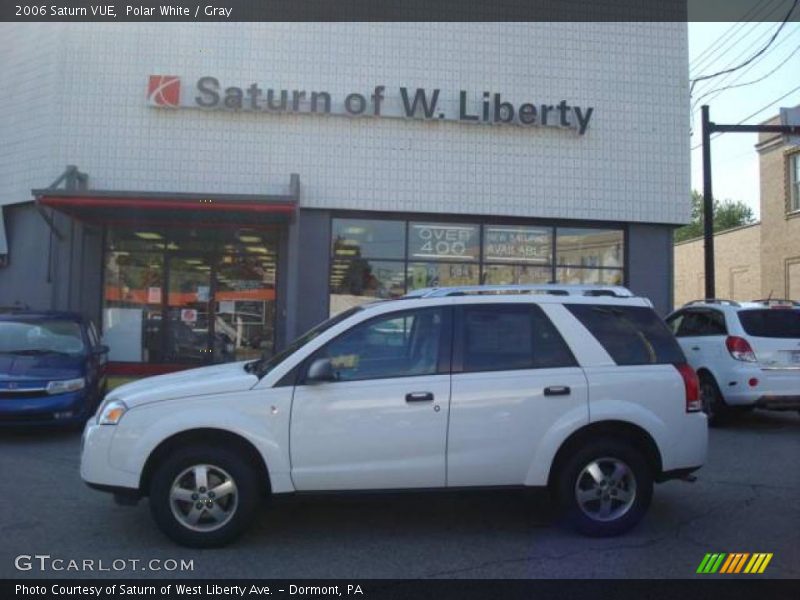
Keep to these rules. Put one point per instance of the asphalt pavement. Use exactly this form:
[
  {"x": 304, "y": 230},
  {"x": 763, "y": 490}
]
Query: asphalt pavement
[{"x": 744, "y": 500}]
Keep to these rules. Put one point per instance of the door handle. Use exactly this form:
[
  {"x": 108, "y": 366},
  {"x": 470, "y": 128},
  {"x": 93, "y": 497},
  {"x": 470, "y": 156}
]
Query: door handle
[
  {"x": 695, "y": 347},
  {"x": 419, "y": 397},
  {"x": 557, "y": 390}
]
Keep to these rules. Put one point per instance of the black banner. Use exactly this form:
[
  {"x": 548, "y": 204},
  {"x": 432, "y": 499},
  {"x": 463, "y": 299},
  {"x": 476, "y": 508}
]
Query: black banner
[
  {"x": 733, "y": 588},
  {"x": 395, "y": 10}
]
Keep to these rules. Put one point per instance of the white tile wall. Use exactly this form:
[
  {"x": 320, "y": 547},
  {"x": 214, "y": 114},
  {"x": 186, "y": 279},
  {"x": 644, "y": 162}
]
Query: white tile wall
[{"x": 77, "y": 96}]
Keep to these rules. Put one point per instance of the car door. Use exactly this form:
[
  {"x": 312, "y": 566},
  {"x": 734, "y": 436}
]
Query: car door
[
  {"x": 514, "y": 378},
  {"x": 382, "y": 422},
  {"x": 701, "y": 334}
]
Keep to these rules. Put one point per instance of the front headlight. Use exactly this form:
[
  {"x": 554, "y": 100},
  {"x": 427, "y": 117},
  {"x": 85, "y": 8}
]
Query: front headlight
[
  {"x": 66, "y": 385},
  {"x": 111, "y": 413}
]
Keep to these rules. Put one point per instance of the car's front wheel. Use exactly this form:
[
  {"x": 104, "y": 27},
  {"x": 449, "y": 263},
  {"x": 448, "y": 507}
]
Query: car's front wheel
[
  {"x": 604, "y": 488},
  {"x": 204, "y": 496}
]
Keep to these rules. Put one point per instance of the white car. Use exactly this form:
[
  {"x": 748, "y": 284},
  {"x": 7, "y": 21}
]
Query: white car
[
  {"x": 580, "y": 389},
  {"x": 746, "y": 354}
]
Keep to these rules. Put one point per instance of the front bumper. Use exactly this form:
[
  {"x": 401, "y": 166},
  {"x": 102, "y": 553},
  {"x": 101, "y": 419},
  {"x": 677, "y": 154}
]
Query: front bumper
[
  {"x": 96, "y": 469},
  {"x": 67, "y": 409}
]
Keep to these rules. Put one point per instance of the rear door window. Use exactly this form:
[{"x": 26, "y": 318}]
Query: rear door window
[
  {"x": 702, "y": 323},
  {"x": 506, "y": 337},
  {"x": 632, "y": 335},
  {"x": 771, "y": 322}
]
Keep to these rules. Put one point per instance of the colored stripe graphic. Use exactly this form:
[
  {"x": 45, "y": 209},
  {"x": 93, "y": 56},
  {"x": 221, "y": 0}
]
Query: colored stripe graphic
[
  {"x": 764, "y": 564},
  {"x": 727, "y": 564},
  {"x": 711, "y": 563},
  {"x": 734, "y": 562}
]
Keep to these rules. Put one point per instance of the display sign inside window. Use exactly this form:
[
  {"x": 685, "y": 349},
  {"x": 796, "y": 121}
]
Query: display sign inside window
[
  {"x": 518, "y": 244},
  {"x": 443, "y": 241}
]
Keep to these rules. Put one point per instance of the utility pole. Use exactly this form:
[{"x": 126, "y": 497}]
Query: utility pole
[
  {"x": 708, "y": 208},
  {"x": 708, "y": 201}
]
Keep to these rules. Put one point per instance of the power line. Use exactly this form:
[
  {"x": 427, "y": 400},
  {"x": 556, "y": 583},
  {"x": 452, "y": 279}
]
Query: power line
[
  {"x": 748, "y": 117},
  {"x": 741, "y": 74},
  {"x": 752, "y": 58},
  {"x": 727, "y": 36},
  {"x": 746, "y": 49},
  {"x": 738, "y": 85}
]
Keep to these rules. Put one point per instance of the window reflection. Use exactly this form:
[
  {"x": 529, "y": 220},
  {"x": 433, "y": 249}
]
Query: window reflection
[{"x": 589, "y": 247}]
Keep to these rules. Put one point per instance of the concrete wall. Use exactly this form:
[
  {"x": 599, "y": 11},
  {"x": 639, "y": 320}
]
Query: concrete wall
[
  {"x": 737, "y": 269},
  {"x": 90, "y": 81},
  {"x": 780, "y": 228}
]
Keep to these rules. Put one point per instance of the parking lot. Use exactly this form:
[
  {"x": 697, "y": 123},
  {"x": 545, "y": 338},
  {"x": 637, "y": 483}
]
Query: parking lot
[{"x": 745, "y": 500}]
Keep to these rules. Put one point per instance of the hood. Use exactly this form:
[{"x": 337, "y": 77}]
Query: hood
[
  {"x": 44, "y": 367},
  {"x": 217, "y": 379}
]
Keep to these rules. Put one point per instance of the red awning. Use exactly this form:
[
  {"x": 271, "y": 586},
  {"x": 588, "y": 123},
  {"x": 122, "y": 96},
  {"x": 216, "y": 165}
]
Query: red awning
[{"x": 103, "y": 207}]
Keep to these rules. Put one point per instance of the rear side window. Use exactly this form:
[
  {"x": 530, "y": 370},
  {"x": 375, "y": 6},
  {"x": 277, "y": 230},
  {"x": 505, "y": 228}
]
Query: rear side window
[
  {"x": 506, "y": 337},
  {"x": 701, "y": 323},
  {"x": 771, "y": 322},
  {"x": 632, "y": 335}
]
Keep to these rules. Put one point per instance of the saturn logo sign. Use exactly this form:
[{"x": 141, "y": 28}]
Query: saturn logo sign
[{"x": 164, "y": 90}]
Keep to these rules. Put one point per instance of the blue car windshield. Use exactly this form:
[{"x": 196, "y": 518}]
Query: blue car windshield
[{"x": 41, "y": 337}]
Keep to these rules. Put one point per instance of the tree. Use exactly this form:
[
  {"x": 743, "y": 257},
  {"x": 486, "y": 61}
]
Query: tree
[{"x": 727, "y": 215}]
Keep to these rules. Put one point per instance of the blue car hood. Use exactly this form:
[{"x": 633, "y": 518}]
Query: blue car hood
[{"x": 41, "y": 367}]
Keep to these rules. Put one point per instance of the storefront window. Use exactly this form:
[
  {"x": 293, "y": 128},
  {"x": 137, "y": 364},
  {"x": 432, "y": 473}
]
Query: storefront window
[
  {"x": 444, "y": 241},
  {"x": 581, "y": 247},
  {"x": 132, "y": 298},
  {"x": 442, "y": 274},
  {"x": 516, "y": 275},
  {"x": 360, "y": 280},
  {"x": 353, "y": 238},
  {"x": 589, "y": 276},
  {"x": 387, "y": 258},
  {"x": 189, "y": 296}
]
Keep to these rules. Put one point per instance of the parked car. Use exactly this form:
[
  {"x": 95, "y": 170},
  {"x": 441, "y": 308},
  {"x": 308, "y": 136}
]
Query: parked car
[
  {"x": 582, "y": 390},
  {"x": 52, "y": 368},
  {"x": 746, "y": 354}
]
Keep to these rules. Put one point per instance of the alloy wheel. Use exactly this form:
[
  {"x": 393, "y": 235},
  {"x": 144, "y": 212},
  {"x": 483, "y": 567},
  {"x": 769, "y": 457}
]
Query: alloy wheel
[
  {"x": 605, "y": 489},
  {"x": 203, "y": 497}
]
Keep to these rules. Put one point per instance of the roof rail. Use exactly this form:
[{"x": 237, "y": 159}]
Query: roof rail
[
  {"x": 713, "y": 301},
  {"x": 555, "y": 289},
  {"x": 769, "y": 301}
]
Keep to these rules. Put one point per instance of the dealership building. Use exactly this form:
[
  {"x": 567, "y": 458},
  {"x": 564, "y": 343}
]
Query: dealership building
[{"x": 207, "y": 192}]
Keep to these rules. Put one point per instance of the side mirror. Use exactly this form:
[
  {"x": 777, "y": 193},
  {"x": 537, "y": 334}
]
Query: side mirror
[
  {"x": 320, "y": 370},
  {"x": 101, "y": 349}
]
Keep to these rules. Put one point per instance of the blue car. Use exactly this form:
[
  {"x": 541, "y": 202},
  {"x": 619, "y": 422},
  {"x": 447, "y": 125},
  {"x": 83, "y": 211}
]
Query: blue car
[{"x": 52, "y": 368}]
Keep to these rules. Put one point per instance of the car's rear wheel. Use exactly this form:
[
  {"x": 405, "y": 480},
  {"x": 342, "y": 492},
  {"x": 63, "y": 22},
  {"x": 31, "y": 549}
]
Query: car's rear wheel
[
  {"x": 604, "y": 488},
  {"x": 713, "y": 404},
  {"x": 204, "y": 496}
]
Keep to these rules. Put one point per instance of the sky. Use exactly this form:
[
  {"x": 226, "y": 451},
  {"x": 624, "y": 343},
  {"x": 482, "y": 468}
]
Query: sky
[{"x": 733, "y": 156}]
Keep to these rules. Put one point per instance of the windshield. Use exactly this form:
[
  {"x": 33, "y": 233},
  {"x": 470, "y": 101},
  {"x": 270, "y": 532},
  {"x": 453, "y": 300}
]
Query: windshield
[
  {"x": 264, "y": 365},
  {"x": 771, "y": 322},
  {"x": 41, "y": 337}
]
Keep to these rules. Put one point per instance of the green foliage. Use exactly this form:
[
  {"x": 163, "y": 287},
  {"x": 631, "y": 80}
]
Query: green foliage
[{"x": 727, "y": 215}]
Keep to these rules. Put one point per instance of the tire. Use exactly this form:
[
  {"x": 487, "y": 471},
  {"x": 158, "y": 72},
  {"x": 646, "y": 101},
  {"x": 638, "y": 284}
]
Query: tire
[
  {"x": 713, "y": 404},
  {"x": 627, "y": 496},
  {"x": 177, "y": 493}
]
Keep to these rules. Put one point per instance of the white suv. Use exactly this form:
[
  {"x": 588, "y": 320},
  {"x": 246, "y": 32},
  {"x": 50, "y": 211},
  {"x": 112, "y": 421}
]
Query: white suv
[
  {"x": 746, "y": 354},
  {"x": 580, "y": 389}
]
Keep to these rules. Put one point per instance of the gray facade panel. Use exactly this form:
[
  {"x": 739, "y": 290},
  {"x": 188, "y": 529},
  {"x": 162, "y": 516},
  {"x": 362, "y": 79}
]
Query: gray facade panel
[
  {"x": 308, "y": 261},
  {"x": 650, "y": 267},
  {"x": 46, "y": 273}
]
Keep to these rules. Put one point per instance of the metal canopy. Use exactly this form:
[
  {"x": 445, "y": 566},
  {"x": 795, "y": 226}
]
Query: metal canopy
[{"x": 166, "y": 209}]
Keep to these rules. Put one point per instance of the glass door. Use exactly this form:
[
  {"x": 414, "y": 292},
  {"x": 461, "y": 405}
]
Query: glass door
[{"x": 189, "y": 323}]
